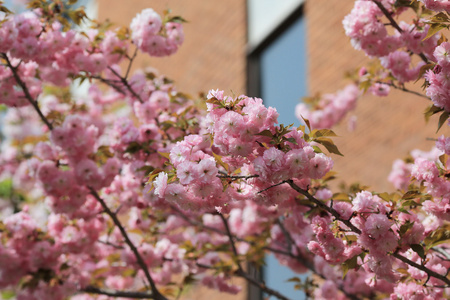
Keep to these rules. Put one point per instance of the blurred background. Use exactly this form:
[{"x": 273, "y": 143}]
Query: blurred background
[{"x": 282, "y": 51}]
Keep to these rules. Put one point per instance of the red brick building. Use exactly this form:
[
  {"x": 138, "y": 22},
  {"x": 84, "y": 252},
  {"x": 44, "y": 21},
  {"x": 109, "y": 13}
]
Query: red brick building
[{"x": 216, "y": 54}]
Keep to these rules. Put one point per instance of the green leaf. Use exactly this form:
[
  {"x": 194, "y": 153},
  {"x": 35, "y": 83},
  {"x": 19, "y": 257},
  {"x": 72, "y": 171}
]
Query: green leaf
[
  {"x": 6, "y": 295},
  {"x": 266, "y": 133},
  {"x": 440, "y": 18},
  {"x": 403, "y": 211},
  {"x": 5, "y": 10},
  {"x": 434, "y": 28},
  {"x": 423, "y": 69},
  {"x": 177, "y": 19},
  {"x": 317, "y": 149},
  {"x": 443, "y": 159},
  {"x": 411, "y": 203},
  {"x": 322, "y": 132},
  {"x": 153, "y": 175},
  {"x": 411, "y": 195},
  {"x": 432, "y": 110},
  {"x": 365, "y": 85},
  {"x": 385, "y": 196},
  {"x": 307, "y": 123},
  {"x": 105, "y": 151},
  {"x": 329, "y": 144},
  {"x": 419, "y": 250},
  {"x": 220, "y": 162},
  {"x": 349, "y": 264},
  {"x": 164, "y": 154},
  {"x": 405, "y": 227},
  {"x": 133, "y": 147},
  {"x": 146, "y": 169},
  {"x": 6, "y": 188},
  {"x": 292, "y": 141},
  {"x": 439, "y": 236},
  {"x": 340, "y": 197},
  {"x": 214, "y": 100},
  {"x": 442, "y": 120}
]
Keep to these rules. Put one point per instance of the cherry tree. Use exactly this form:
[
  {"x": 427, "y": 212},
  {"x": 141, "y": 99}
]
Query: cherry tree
[{"x": 137, "y": 190}]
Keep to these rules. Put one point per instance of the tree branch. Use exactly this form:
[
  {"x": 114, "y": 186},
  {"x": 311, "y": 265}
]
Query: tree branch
[
  {"x": 26, "y": 91},
  {"x": 125, "y": 82},
  {"x": 113, "y": 293},
  {"x": 131, "y": 62},
  {"x": 156, "y": 294},
  {"x": 402, "y": 88},
  {"x": 395, "y": 24},
  {"x": 336, "y": 215},
  {"x": 299, "y": 257}
]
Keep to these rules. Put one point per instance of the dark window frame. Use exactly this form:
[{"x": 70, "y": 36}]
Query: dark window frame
[{"x": 254, "y": 90}]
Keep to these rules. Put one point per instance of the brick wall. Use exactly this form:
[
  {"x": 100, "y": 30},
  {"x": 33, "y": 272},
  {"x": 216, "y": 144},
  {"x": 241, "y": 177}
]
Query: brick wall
[
  {"x": 213, "y": 56},
  {"x": 387, "y": 128}
]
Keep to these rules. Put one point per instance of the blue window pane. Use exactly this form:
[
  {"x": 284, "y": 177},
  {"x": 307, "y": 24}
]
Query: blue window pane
[
  {"x": 284, "y": 72},
  {"x": 283, "y": 84}
]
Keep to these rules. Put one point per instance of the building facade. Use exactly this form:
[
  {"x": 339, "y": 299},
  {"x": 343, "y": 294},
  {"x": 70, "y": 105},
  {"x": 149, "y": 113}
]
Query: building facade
[{"x": 220, "y": 52}]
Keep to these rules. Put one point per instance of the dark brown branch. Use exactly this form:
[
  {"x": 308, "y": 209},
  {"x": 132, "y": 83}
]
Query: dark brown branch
[
  {"x": 272, "y": 186},
  {"x": 231, "y": 238},
  {"x": 131, "y": 62},
  {"x": 235, "y": 177},
  {"x": 395, "y": 24},
  {"x": 336, "y": 215},
  {"x": 156, "y": 294},
  {"x": 299, "y": 257},
  {"x": 26, "y": 91},
  {"x": 402, "y": 88},
  {"x": 423, "y": 268},
  {"x": 110, "y": 83},
  {"x": 442, "y": 251},
  {"x": 322, "y": 205},
  {"x": 128, "y": 86},
  {"x": 113, "y": 293},
  {"x": 260, "y": 285}
]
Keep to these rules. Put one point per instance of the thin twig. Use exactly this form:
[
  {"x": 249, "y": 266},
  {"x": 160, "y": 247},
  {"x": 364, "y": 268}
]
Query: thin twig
[
  {"x": 235, "y": 177},
  {"x": 26, "y": 91},
  {"x": 131, "y": 62},
  {"x": 336, "y": 215},
  {"x": 157, "y": 295},
  {"x": 261, "y": 285},
  {"x": 110, "y": 244},
  {"x": 298, "y": 257},
  {"x": 113, "y": 293},
  {"x": 442, "y": 251},
  {"x": 110, "y": 83},
  {"x": 231, "y": 238},
  {"x": 402, "y": 88},
  {"x": 394, "y": 23},
  {"x": 125, "y": 82},
  {"x": 272, "y": 186}
]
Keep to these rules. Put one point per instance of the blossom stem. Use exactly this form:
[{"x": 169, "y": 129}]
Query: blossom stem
[
  {"x": 156, "y": 294},
  {"x": 127, "y": 84},
  {"x": 358, "y": 231},
  {"x": 394, "y": 23},
  {"x": 25, "y": 90},
  {"x": 113, "y": 293}
]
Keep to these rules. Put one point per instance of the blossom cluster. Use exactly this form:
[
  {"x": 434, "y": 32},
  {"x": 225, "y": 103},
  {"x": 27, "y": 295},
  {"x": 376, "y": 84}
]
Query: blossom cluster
[
  {"x": 437, "y": 78},
  {"x": 437, "y": 5},
  {"x": 167, "y": 193},
  {"x": 151, "y": 36},
  {"x": 330, "y": 109}
]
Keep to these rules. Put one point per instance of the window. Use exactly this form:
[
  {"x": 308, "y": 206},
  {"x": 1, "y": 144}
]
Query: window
[{"x": 277, "y": 73}]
